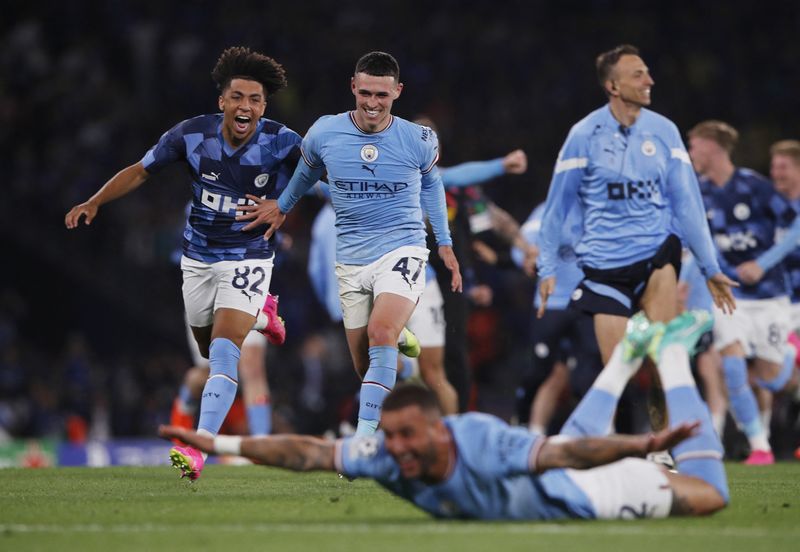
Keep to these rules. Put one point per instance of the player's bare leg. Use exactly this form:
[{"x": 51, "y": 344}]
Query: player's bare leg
[
  {"x": 431, "y": 369},
  {"x": 709, "y": 369},
  {"x": 224, "y": 349},
  {"x": 374, "y": 352},
  {"x": 544, "y": 403},
  {"x": 609, "y": 329}
]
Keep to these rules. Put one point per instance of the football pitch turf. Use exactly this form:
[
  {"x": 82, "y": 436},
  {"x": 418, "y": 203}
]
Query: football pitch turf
[{"x": 243, "y": 508}]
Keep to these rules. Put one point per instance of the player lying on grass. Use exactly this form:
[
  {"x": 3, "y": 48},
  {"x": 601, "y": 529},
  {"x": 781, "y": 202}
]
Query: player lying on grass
[{"x": 476, "y": 466}]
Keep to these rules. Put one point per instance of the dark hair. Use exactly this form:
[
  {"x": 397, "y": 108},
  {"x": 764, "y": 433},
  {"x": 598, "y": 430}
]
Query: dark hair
[
  {"x": 606, "y": 61},
  {"x": 378, "y": 64},
  {"x": 409, "y": 394},
  {"x": 720, "y": 132},
  {"x": 242, "y": 63},
  {"x": 424, "y": 120}
]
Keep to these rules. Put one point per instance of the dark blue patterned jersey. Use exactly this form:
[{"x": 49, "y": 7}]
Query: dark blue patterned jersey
[
  {"x": 221, "y": 177},
  {"x": 744, "y": 215},
  {"x": 792, "y": 260}
]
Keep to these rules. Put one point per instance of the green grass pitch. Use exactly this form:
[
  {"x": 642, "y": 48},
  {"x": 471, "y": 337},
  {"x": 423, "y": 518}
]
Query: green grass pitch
[{"x": 238, "y": 509}]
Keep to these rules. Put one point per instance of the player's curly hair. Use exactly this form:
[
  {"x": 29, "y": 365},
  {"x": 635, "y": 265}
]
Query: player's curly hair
[
  {"x": 378, "y": 64},
  {"x": 606, "y": 61},
  {"x": 241, "y": 62}
]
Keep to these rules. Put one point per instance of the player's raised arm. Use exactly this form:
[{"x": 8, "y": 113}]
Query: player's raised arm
[
  {"x": 125, "y": 181},
  {"x": 515, "y": 162},
  {"x": 588, "y": 452},
  {"x": 293, "y": 452}
]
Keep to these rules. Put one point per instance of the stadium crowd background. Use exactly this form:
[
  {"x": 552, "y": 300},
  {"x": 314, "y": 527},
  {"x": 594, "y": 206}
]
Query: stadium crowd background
[{"x": 91, "y": 328}]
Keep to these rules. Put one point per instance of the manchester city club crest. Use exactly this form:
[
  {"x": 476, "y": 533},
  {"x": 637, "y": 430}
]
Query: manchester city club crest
[
  {"x": 369, "y": 153},
  {"x": 648, "y": 148},
  {"x": 261, "y": 180},
  {"x": 741, "y": 211}
]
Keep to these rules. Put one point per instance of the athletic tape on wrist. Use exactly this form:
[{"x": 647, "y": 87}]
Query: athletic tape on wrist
[{"x": 228, "y": 444}]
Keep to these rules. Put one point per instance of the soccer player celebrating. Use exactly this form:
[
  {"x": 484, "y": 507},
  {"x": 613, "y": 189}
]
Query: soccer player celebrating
[
  {"x": 428, "y": 320},
  {"x": 226, "y": 268},
  {"x": 382, "y": 173},
  {"x": 628, "y": 171},
  {"x": 744, "y": 211},
  {"x": 785, "y": 173},
  {"x": 477, "y": 466}
]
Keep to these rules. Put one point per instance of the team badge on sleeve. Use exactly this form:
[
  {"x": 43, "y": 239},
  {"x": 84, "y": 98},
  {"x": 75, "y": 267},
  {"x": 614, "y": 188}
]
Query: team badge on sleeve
[{"x": 369, "y": 153}]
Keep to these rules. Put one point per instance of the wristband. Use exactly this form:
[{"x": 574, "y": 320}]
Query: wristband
[{"x": 228, "y": 444}]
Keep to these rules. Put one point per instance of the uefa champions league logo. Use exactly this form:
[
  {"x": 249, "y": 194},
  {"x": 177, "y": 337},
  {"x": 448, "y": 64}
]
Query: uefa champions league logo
[{"x": 369, "y": 153}]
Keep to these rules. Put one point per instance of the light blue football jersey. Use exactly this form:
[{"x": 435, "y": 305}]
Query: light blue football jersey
[
  {"x": 379, "y": 184},
  {"x": 568, "y": 274},
  {"x": 322, "y": 260},
  {"x": 491, "y": 480},
  {"x": 322, "y": 251},
  {"x": 634, "y": 186}
]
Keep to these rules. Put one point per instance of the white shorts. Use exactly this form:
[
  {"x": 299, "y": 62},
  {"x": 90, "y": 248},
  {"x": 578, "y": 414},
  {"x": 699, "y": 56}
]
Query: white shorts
[
  {"x": 427, "y": 322},
  {"x": 632, "y": 488},
  {"x": 795, "y": 316},
  {"x": 401, "y": 272},
  {"x": 252, "y": 339},
  {"x": 760, "y": 325},
  {"x": 240, "y": 285}
]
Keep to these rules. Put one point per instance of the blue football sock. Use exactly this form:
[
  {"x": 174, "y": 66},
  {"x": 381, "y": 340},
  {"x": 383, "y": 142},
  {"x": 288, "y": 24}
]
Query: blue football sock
[
  {"x": 593, "y": 415},
  {"x": 406, "y": 368},
  {"x": 700, "y": 455},
  {"x": 743, "y": 402},
  {"x": 259, "y": 418},
  {"x": 378, "y": 381},
  {"x": 787, "y": 369},
  {"x": 220, "y": 389}
]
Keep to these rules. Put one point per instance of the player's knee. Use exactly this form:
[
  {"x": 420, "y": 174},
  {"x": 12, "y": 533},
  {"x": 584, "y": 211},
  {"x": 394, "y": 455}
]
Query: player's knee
[
  {"x": 382, "y": 334},
  {"x": 714, "y": 502},
  {"x": 702, "y": 493}
]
